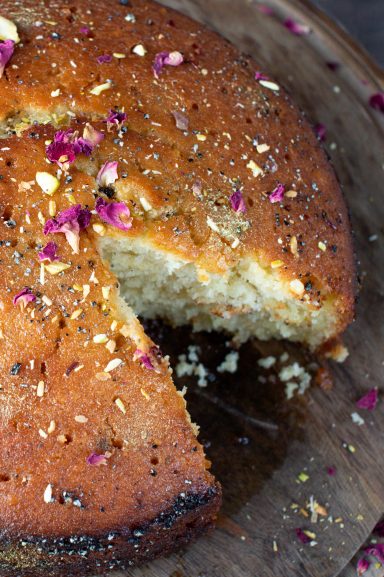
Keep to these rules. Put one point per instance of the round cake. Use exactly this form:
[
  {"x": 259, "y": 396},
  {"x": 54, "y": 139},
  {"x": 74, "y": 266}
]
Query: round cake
[{"x": 146, "y": 168}]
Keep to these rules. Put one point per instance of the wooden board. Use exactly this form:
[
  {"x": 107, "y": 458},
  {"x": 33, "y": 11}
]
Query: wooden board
[{"x": 258, "y": 441}]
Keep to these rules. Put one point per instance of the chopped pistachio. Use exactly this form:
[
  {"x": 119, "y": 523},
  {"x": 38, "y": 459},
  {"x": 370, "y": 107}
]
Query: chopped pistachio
[
  {"x": 56, "y": 267},
  {"x": 297, "y": 287},
  {"x": 8, "y": 30},
  {"x": 75, "y": 315},
  {"x": 47, "y": 182},
  {"x": 139, "y": 49},
  {"x": 48, "y": 494},
  {"x": 40, "y": 389},
  {"x": 119, "y": 403},
  {"x": 100, "y": 338},
  {"x": 97, "y": 90},
  {"x": 256, "y": 170},
  {"x": 113, "y": 364}
]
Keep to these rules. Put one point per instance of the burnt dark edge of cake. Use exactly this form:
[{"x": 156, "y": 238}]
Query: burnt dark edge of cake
[{"x": 190, "y": 515}]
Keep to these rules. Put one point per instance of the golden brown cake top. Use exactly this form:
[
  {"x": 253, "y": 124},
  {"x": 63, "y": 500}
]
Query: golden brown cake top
[
  {"x": 214, "y": 165},
  {"x": 198, "y": 132}
]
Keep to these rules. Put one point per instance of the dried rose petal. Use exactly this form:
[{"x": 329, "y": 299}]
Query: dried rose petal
[
  {"x": 61, "y": 153},
  {"x": 97, "y": 460},
  {"x": 67, "y": 145},
  {"x": 321, "y": 131},
  {"x": 377, "y": 101},
  {"x": 333, "y": 65},
  {"x": 368, "y": 401},
  {"x": 91, "y": 135},
  {"x": 49, "y": 252},
  {"x": 296, "y": 28},
  {"x": 264, "y": 9},
  {"x": 237, "y": 201},
  {"x": 260, "y": 76},
  {"x": 162, "y": 59},
  {"x": 107, "y": 174},
  {"x": 70, "y": 222},
  {"x": 331, "y": 471},
  {"x": 362, "y": 566},
  {"x": 114, "y": 213},
  {"x": 197, "y": 188},
  {"x": 302, "y": 536},
  {"x": 143, "y": 358},
  {"x": 6, "y": 51},
  {"x": 379, "y": 529},
  {"x": 71, "y": 368},
  {"x": 115, "y": 117},
  {"x": 376, "y": 550},
  {"x": 277, "y": 194},
  {"x": 181, "y": 120},
  {"x": 62, "y": 150},
  {"x": 24, "y": 297},
  {"x": 81, "y": 145},
  {"x": 104, "y": 59},
  {"x": 64, "y": 136}
]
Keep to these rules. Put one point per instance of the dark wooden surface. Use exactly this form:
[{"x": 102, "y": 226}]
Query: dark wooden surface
[
  {"x": 363, "y": 19},
  {"x": 262, "y": 494}
]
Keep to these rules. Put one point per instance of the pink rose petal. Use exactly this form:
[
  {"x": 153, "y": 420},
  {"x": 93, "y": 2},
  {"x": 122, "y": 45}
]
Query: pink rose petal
[
  {"x": 377, "y": 550},
  {"x": 379, "y": 529},
  {"x": 107, "y": 174},
  {"x": 24, "y": 297},
  {"x": 260, "y": 76},
  {"x": 377, "y": 101},
  {"x": 237, "y": 201},
  {"x": 296, "y": 28},
  {"x": 6, "y": 51},
  {"x": 92, "y": 136},
  {"x": 104, "y": 59},
  {"x": 162, "y": 59},
  {"x": 69, "y": 222},
  {"x": 62, "y": 153},
  {"x": 362, "y": 566},
  {"x": 333, "y": 65},
  {"x": 149, "y": 359},
  {"x": 197, "y": 188},
  {"x": 116, "y": 214},
  {"x": 321, "y": 131},
  {"x": 143, "y": 358},
  {"x": 302, "y": 536},
  {"x": 368, "y": 401},
  {"x": 49, "y": 252},
  {"x": 277, "y": 194},
  {"x": 96, "y": 460},
  {"x": 181, "y": 120},
  {"x": 115, "y": 117}
]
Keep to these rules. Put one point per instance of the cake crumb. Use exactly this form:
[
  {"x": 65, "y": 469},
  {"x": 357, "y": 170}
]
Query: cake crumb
[
  {"x": 189, "y": 365},
  {"x": 230, "y": 363},
  {"x": 296, "y": 378}
]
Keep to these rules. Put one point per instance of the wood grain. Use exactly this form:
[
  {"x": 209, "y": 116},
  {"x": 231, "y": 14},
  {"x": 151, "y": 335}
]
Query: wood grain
[
  {"x": 362, "y": 20},
  {"x": 260, "y": 475}
]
